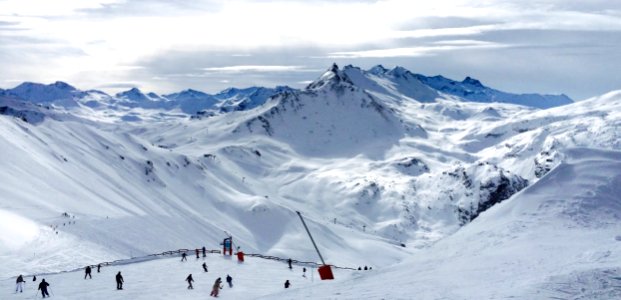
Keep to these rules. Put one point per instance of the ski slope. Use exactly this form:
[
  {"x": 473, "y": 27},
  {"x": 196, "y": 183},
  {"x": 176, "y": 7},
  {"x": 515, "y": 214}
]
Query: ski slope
[
  {"x": 476, "y": 200},
  {"x": 164, "y": 279},
  {"x": 557, "y": 239}
]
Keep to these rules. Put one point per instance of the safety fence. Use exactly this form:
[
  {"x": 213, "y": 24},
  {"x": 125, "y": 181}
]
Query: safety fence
[
  {"x": 293, "y": 261},
  {"x": 176, "y": 253}
]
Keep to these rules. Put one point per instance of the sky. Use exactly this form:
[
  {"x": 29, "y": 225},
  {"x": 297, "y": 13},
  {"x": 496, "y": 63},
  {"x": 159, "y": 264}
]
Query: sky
[{"x": 543, "y": 46}]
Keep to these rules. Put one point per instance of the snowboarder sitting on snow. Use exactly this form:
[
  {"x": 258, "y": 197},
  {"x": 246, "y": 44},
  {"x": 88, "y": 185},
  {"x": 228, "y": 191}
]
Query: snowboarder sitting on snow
[
  {"x": 119, "y": 281},
  {"x": 229, "y": 280},
  {"x": 287, "y": 284},
  {"x": 216, "y": 287},
  {"x": 189, "y": 279},
  {"x": 183, "y": 256},
  {"x": 87, "y": 272},
  {"x": 43, "y": 287},
  {"x": 19, "y": 284},
  {"x": 205, "y": 267}
]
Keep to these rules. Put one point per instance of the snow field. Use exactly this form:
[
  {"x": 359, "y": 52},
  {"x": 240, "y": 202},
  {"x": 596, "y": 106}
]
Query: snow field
[{"x": 164, "y": 279}]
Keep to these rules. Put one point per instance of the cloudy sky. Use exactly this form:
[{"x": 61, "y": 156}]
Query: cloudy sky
[{"x": 545, "y": 46}]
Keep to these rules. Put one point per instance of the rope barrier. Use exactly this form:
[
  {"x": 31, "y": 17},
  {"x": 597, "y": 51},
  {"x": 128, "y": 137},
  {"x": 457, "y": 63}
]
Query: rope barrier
[{"x": 179, "y": 251}]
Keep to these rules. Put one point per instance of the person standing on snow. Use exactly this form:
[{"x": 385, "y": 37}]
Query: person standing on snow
[
  {"x": 98, "y": 268},
  {"x": 19, "y": 283},
  {"x": 304, "y": 272},
  {"x": 183, "y": 256},
  {"x": 43, "y": 287},
  {"x": 229, "y": 280},
  {"x": 289, "y": 261},
  {"x": 189, "y": 279},
  {"x": 87, "y": 272},
  {"x": 197, "y": 253},
  {"x": 204, "y": 251},
  {"x": 119, "y": 281},
  {"x": 287, "y": 284},
  {"x": 205, "y": 267},
  {"x": 216, "y": 287}
]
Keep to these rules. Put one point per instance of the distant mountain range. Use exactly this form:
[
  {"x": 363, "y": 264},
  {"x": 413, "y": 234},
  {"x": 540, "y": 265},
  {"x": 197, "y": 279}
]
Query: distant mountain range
[{"x": 397, "y": 81}]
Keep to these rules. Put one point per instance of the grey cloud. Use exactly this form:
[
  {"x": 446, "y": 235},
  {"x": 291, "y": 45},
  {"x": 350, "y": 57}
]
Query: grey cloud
[
  {"x": 443, "y": 22},
  {"x": 118, "y": 85}
]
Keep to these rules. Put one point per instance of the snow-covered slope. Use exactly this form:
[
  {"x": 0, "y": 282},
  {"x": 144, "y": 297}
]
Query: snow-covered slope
[
  {"x": 558, "y": 239},
  {"x": 377, "y": 161}
]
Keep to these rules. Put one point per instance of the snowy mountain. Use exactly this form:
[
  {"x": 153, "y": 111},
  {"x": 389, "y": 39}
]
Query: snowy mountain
[
  {"x": 473, "y": 90},
  {"x": 57, "y": 92},
  {"x": 233, "y": 99},
  {"x": 379, "y": 162}
]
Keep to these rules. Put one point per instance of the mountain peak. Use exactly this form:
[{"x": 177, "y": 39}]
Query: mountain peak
[
  {"x": 63, "y": 86},
  {"x": 332, "y": 77},
  {"x": 472, "y": 81},
  {"x": 377, "y": 70},
  {"x": 133, "y": 94},
  {"x": 398, "y": 71}
]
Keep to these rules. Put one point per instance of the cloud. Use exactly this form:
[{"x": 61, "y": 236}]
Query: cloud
[
  {"x": 436, "y": 48},
  {"x": 259, "y": 69},
  {"x": 118, "y": 85}
]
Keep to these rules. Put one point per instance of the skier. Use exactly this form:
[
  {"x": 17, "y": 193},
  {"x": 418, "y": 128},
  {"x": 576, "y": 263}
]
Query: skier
[
  {"x": 289, "y": 261},
  {"x": 43, "y": 287},
  {"x": 205, "y": 267},
  {"x": 119, "y": 281},
  {"x": 87, "y": 272},
  {"x": 216, "y": 287},
  {"x": 183, "y": 256},
  {"x": 197, "y": 254},
  {"x": 19, "y": 284},
  {"x": 304, "y": 272},
  {"x": 229, "y": 280},
  {"x": 189, "y": 279},
  {"x": 287, "y": 284},
  {"x": 98, "y": 268},
  {"x": 204, "y": 252}
]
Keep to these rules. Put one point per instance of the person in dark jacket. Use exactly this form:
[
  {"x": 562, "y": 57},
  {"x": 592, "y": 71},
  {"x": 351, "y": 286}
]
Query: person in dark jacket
[
  {"x": 289, "y": 261},
  {"x": 304, "y": 272},
  {"x": 197, "y": 254},
  {"x": 205, "y": 267},
  {"x": 183, "y": 256},
  {"x": 19, "y": 284},
  {"x": 43, "y": 287},
  {"x": 229, "y": 280},
  {"x": 287, "y": 284},
  {"x": 119, "y": 281},
  {"x": 98, "y": 268},
  {"x": 204, "y": 251},
  {"x": 189, "y": 279},
  {"x": 87, "y": 272}
]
